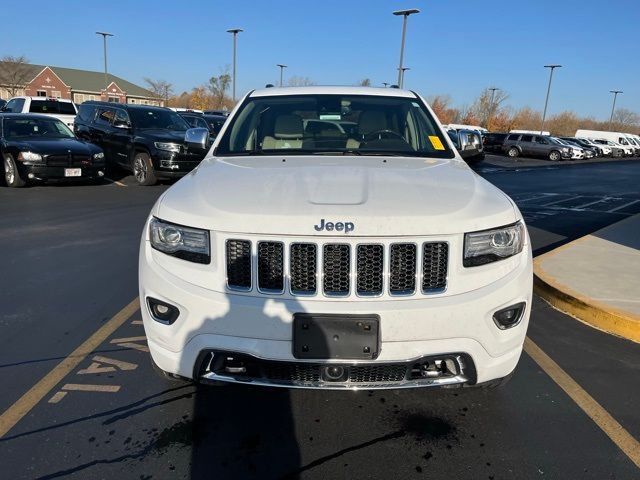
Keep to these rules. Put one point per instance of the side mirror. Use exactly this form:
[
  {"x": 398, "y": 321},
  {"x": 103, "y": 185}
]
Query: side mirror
[
  {"x": 197, "y": 138},
  {"x": 121, "y": 124}
]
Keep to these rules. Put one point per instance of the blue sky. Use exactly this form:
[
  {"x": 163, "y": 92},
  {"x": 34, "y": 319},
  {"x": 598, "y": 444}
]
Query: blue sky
[{"x": 454, "y": 48}]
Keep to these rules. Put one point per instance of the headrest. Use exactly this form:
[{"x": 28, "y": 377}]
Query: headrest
[
  {"x": 288, "y": 126},
  {"x": 372, "y": 121}
]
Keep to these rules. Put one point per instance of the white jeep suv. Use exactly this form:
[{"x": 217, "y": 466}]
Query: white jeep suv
[
  {"x": 60, "y": 108},
  {"x": 338, "y": 258}
]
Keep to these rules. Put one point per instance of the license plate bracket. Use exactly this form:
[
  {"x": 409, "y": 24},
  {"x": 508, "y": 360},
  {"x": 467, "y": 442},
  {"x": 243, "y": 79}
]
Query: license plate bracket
[{"x": 336, "y": 336}]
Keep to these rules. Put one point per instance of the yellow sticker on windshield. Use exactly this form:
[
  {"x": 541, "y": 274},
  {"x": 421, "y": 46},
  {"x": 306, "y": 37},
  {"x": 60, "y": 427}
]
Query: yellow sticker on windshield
[{"x": 436, "y": 142}]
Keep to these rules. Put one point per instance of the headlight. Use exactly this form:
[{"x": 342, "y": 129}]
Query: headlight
[
  {"x": 187, "y": 243},
  {"x": 29, "y": 156},
  {"x": 169, "y": 147},
  {"x": 491, "y": 245},
  {"x": 99, "y": 156}
]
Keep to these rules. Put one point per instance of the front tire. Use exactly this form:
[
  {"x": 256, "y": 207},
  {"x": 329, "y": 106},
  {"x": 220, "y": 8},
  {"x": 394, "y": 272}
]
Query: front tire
[
  {"x": 11, "y": 173},
  {"x": 143, "y": 170},
  {"x": 554, "y": 156},
  {"x": 513, "y": 152}
]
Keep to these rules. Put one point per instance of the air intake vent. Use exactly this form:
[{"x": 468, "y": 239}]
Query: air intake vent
[
  {"x": 239, "y": 264},
  {"x": 270, "y": 266},
  {"x": 434, "y": 266},
  {"x": 304, "y": 268},
  {"x": 369, "y": 264},
  {"x": 402, "y": 274},
  {"x": 336, "y": 269}
]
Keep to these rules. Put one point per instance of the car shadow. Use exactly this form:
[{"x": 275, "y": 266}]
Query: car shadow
[{"x": 244, "y": 431}]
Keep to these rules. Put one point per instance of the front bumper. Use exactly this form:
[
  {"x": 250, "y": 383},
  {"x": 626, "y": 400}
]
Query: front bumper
[
  {"x": 44, "y": 172},
  {"x": 174, "y": 165},
  {"x": 262, "y": 326}
]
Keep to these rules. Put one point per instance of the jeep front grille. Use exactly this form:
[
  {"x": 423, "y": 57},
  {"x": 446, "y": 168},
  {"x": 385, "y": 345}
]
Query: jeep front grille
[
  {"x": 434, "y": 266},
  {"x": 271, "y": 266},
  {"x": 304, "y": 268},
  {"x": 239, "y": 264},
  {"x": 337, "y": 269}
]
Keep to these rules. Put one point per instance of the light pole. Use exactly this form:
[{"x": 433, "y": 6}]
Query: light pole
[
  {"x": 405, "y": 14},
  {"x": 404, "y": 69},
  {"x": 282, "y": 67},
  {"x": 546, "y": 101},
  {"x": 493, "y": 93},
  {"x": 615, "y": 95},
  {"x": 235, "y": 32},
  {"x": 104, "y": 41}
]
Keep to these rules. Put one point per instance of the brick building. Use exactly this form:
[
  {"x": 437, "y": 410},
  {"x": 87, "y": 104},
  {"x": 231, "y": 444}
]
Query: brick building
[{"x": 79, "y": 86}]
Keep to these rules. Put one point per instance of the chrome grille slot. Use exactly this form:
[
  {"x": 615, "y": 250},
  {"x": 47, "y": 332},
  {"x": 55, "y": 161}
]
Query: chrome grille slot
[
  {"x": 239, "y": 264},
  {"x": 271, "y": 267},
  {"x": 304, "y": 268},
  {"x": 336, "y": 268},
  {"x": 369, "y": 269},
  {"x": 402, "y": 269},
  {"x": 434, "y": 266},
  {"x": 378, "y": 373}
]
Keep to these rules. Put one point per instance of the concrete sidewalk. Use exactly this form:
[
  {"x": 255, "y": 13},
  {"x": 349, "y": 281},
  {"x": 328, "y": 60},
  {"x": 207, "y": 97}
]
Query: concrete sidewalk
[{"x": 597, "y": 278}]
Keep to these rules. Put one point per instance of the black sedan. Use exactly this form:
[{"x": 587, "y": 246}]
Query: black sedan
[{"x": 41, "y": 147}]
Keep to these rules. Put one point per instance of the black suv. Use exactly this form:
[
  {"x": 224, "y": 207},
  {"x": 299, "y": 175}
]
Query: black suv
[
  {"x": 493, "y": 142},
  {"x": 149, "y": 141}
]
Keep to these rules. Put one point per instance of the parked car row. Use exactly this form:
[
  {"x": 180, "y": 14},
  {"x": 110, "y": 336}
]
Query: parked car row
[
  {"x": 585, "y": 144},
  {"x": 37, "y": 141}
]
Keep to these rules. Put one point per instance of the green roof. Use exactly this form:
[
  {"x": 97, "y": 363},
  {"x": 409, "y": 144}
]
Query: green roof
[{"x": 85, "y": 80}]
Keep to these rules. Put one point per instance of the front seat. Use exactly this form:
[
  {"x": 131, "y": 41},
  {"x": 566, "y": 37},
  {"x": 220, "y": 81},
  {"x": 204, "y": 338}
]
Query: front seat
[
  {"x": 288, "y": 132},
  {"x": 369, "y": 121}
]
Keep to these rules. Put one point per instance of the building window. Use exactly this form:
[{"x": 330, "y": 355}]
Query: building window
[
  {"x": 133, "y": 100},
  {"x": 114, "y": 100},
  {"x": 41, "y": 93},
  {"x": 56, "y": 94}
]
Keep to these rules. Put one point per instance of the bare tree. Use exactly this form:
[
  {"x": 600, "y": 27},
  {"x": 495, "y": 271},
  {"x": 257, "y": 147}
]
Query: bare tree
[
  {"x": 300, "y": 82},
  {"x": 15, "y": 72},
  {"x": 623, "y": 116},
  {"x": 161, "y": 88},
  {"x": 365, "y": 82},
  {"x": 487, "y": 105},
  {"x": 218, "y": 86}
]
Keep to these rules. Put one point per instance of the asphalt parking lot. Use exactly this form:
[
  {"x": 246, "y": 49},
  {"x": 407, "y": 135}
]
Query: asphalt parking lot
[{"x": 70, "y": 269}]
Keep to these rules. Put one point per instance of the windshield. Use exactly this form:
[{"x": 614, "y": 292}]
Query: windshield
[
  {"x": 14, "y": 128},
  {"x": 52, "y": 106},
  {"x": 556, "y": 141},
  {"x": 157, "y": 119},
  {"x": 330, "y": 124}
]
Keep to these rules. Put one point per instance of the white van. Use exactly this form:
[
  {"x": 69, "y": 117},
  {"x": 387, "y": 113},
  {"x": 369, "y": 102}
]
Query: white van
[
  {"x": 532, "y": 132},
  {"x": 616, "y": 137}
]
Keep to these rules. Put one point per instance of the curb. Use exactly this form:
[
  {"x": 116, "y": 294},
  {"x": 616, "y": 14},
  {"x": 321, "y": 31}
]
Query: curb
[{"x": 598, "y": 315}]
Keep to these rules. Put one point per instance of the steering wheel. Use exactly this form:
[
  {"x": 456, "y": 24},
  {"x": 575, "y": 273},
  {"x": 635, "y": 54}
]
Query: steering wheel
[{"x": 384, "y": 133}]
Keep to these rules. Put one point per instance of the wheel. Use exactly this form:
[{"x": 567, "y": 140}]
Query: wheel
[
  {"x": 166, "y": 375},
  {"x": 11, "y": 174},
  {"x": 143, "y": 170},
  {"x": 554, "y": 156},
  {"x": 513, "y": 152}
]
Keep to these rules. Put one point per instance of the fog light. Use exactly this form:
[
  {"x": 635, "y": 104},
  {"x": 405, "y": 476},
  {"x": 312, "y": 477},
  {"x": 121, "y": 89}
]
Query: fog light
[
  {"x": 100, "y": 173},
  {"x": 509, "y": 317},
  {"x": 31, "y": 175},
  {"x": 162, "y": 312}
]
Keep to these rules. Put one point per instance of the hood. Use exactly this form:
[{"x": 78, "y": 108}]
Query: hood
[
  {"x": 380, "y": 196},
  {"x": 162, "y": 135},
  {"x": 60, "y": 146}
]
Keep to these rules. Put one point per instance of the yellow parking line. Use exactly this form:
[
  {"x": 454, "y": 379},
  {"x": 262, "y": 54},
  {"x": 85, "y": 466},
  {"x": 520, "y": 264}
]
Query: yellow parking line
[
  {"x": 30, "y": 399},
  {"x": 603, "y": 419},
  {"x": 120, "y": 184},
  {"x": 82, "y": 387}
]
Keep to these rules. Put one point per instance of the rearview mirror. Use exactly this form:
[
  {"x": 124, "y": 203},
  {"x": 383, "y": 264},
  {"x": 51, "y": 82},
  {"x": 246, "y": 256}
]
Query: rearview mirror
[{"x": 197, "y": 138}]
